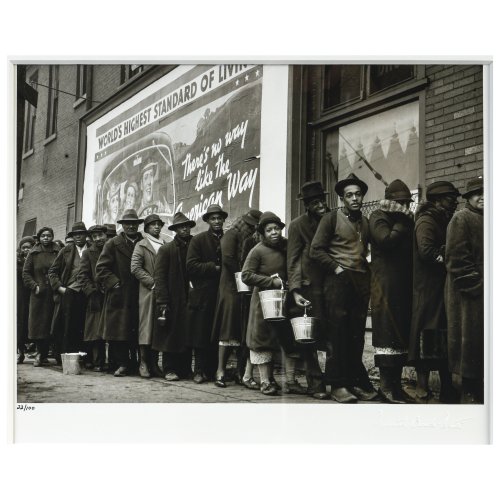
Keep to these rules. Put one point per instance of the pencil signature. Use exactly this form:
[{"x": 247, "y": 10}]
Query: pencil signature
[{"x": 419, "y": 421}]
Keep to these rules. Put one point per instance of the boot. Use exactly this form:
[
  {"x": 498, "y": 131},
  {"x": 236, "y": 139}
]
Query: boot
[
  {"x": 20, "y": 357},
  {"x": 397, "y": 387},
  {"x": 143, "y": 366},
  {"x": 153, "y": 365},
  {"x": 386, "y": 390}
]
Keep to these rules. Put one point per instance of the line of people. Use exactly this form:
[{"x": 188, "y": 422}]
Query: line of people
[{"x": 142, "y": 296}]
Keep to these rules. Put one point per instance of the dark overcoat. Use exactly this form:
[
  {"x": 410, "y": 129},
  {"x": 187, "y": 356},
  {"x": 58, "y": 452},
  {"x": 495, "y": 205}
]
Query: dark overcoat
[
  {"x": 35, "y": 273},
  {"x": 143, "y": 267},
  {"x": 172, "y": 288},
  {"x": 305, "y": 275},
  {"x": 391, "y": 238},
  {"x": 120, "y": 315},
  {"x": 429, "y": 275},
  {"x": 262, "y": 262},
  {"x": 23, "y": 302},
  {"x": 59, "y": 274},
  {"x": 93, "y": 291},
  {"x": 204, "y": 254},
  {"x": 465, "y": 293},
  {"x": 227, "y": 321}
]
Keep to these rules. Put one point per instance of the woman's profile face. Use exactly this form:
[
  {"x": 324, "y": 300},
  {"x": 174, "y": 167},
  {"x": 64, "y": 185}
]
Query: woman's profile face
[
  {"x": 46, "y": 237},
  {"x": 272, "y": 232}
]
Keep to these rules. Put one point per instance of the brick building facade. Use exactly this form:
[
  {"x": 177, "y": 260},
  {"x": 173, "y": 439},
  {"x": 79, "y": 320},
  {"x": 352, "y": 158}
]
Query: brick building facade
[{"x": 445, "y": 103}]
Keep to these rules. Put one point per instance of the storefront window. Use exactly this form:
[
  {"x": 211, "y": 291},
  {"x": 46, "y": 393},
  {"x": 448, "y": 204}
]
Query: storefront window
[
  {"x": 378, "y": 149},
  {"x": 342, "y": 84}
]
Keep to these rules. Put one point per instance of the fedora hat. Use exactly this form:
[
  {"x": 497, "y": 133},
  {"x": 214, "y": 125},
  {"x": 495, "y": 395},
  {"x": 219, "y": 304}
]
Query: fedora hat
[
  {"x": 179, "y": 220},
  {"x": 473, "y": 186},
  {"x": 252, "y": 217},
  {"x": 440, "y": 188},
  {"x": 130, "y": 215},
  {"x": 152, "y": 218},
  {"x": 110, "y": 229},
  {"x": 266, "y": 218},
  {"x": 311, "y": 189},
  {"x": 349, "y": 181},
  {"x": 214, "y": 209},
  {"x": 98, "y": 228},
  {"x": 397, "y": 190},
  {"x": 78, "y": 227}
]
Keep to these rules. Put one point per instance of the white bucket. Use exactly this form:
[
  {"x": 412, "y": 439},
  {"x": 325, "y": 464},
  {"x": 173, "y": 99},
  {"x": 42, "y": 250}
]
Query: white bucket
[
  {"x": 240, "y": 286},
  {"x": 304, "y": 329},
  {"x": 273, "y": 304},
  {"x": 71, "y": 363}
]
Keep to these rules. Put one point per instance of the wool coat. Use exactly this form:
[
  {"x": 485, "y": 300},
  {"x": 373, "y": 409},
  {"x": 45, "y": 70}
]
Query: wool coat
[
  {"x": 120, "y": 315},
  {"x": 391, "y": 238},
  {"x": 204, "y": 254},
  {"x": 93, "y": 291},
  {"x": 262, "y": 262},
  {"x": 35, "y": 273},
  {"x": 429, "y": 275},
  {"x": 142, "y": 267},
  {"x": 227, "y": 321},
  {"x": 59, "y": 275},
  {"x": 305, "y": 275},
  {"x": 23, "y": 302},
  {"x": 172, "y": 288},
  {"x": 465, "y": 293}
]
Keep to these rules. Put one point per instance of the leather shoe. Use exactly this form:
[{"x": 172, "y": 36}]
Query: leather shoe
[
  {"x": 171, "y": 377},
  {"x": 199, "y": 378},
  {"x": 390, "y": 397},
  {"x": 268, "y": 389},
  {"x": 38, "y": 360},
  {"x": 251, "y": 384},
  {"x": 143, "y": 370},
  {"x": 98, "y": 369},
  {"x": 219, "y": 382},
  {"x": 20, "y": 358},
  {"x": 320, "y": 395},
  {"x": 362, "y": 394},
  {"x": 342, "y": 395},
  {"x": 121, "y": 372},
  {"x": 275, "y": 384}
]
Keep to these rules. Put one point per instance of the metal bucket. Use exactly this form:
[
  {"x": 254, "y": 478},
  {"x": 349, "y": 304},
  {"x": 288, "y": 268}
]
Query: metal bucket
[
  {"x": 240, "y": 286},
  {"x": 71, "y": 364},
  {"x": 273, "y": 304},
  {"x": 304, "y": 329}
]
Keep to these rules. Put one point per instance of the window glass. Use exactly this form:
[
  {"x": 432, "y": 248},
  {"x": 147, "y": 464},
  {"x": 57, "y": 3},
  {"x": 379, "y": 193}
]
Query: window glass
[
  {"x": 377, "y": 149},
  {"x": 386, "y": 75},
  {"x": 53, "y": 97},
  {"x": 342, "y": 84},
  {"x": 29, "y": 227},
  {"x": 30, "y": 117},
  {"x": 81, "y": 81}
]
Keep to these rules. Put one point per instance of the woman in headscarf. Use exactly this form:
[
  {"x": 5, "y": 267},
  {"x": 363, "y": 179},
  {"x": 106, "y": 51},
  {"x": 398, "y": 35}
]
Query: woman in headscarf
[
  {"x": 36, "y": 279},
  {"x": 265, "y": 269},
  {"x": 391, "y": 238},
  {"x": 227, "y": 327},
  {"x": 23, "y": 297}
]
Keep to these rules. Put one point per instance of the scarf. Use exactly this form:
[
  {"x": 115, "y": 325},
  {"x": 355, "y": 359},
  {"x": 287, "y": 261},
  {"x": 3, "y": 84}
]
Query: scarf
[
  {"x": 155, "y": 243},
  {"x": 394, "y": 206}
]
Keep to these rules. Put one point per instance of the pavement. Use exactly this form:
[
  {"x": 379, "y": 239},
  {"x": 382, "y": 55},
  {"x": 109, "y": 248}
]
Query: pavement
[{"x": 48, "y": 384}]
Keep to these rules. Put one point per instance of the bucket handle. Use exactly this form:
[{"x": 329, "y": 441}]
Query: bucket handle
[
  {"x": 305, "y": 312},
  {"x": 281, "y": 281}
]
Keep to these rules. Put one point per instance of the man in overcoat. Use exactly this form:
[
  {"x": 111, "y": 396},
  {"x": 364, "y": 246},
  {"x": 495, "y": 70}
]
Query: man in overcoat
[
  {"x": 70, "y": 301},
  {"x": 305, "y": 276},
  {"x": 120, "y": 316},
  {"x": 203, "y": 265},
  {"x": 92, "y": 334},
  {"x": 340, "y": 246},
  {"x": 464, "y": 293},
  {"x": 172, "y": 288},
  {"x": 142, "y": 267}
]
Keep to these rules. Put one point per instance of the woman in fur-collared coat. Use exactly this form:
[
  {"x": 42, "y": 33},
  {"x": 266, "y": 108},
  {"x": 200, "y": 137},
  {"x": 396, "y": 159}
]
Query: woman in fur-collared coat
[{"x": 464, "y": 294}]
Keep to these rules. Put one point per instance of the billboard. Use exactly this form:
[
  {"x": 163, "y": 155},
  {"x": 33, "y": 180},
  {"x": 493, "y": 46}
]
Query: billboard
[{"x": 187, "y": 141}]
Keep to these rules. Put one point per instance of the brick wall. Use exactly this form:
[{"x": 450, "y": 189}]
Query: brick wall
[
  {"x": 454, "y": 123},
  {"x": 49, "y": 173}
]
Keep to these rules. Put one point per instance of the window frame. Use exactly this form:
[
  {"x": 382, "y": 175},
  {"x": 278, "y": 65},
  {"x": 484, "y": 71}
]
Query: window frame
[
  {"x": 52, "y": 103},
  {"x": 30, "y": 118},
  {"x": 81, "y": 84}
]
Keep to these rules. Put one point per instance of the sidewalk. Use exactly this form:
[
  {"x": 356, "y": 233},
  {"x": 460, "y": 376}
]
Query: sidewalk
[{"x": 49, "y": 385}]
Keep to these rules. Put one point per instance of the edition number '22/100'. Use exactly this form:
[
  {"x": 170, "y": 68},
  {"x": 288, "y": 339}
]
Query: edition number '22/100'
[{"x": 25, "y": 407}]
